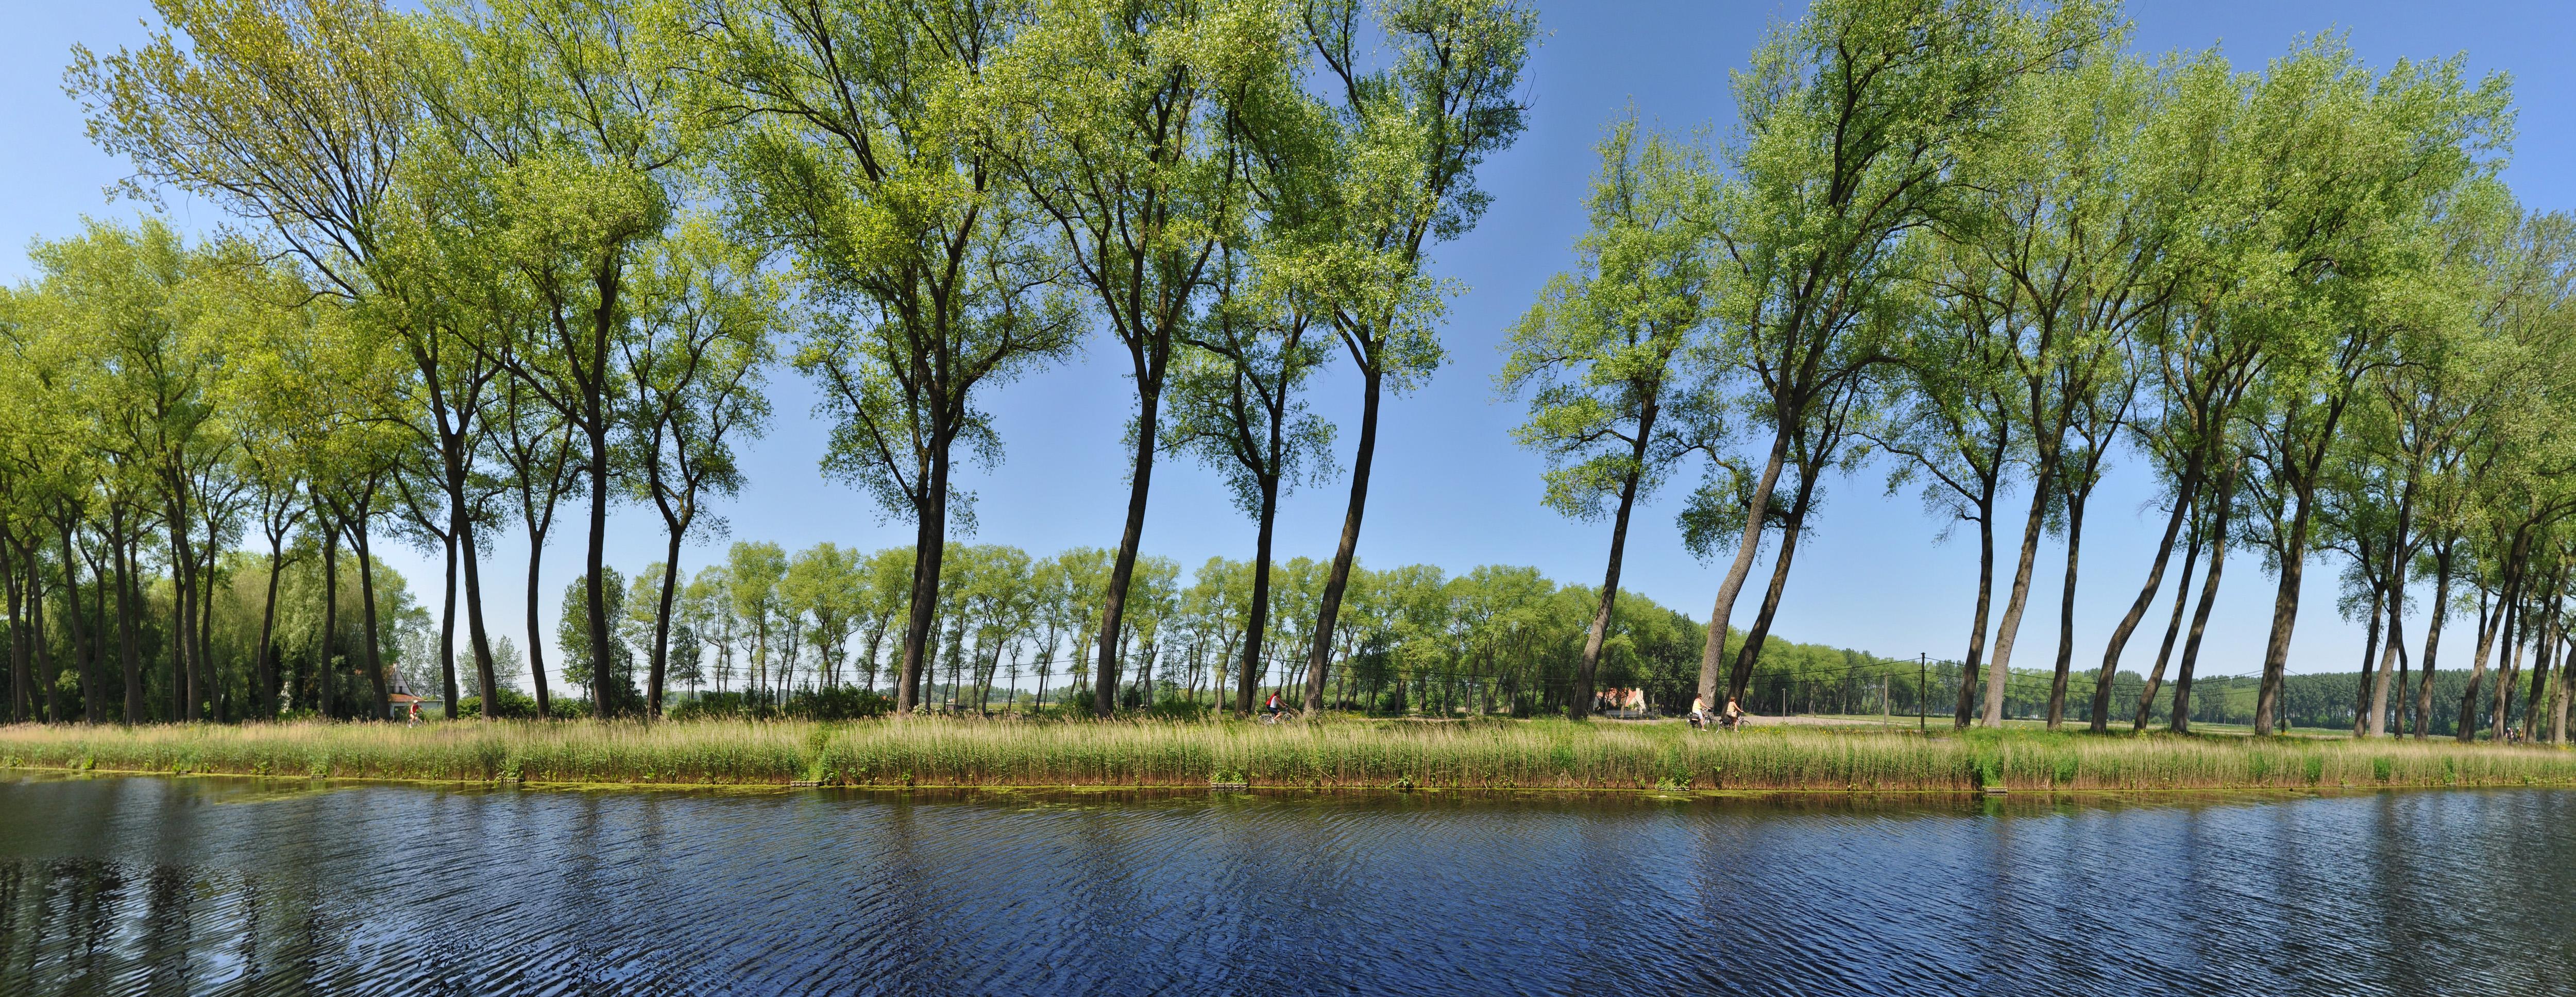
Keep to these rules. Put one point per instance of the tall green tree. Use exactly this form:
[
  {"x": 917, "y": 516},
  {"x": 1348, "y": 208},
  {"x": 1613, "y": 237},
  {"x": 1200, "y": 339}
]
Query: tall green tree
[
  {"x": 865, "y": 145},
  {"x": 1613, "y": 359},
  {"x": 1409, "y": 129},
  {"x": 1852, "y": 125},
  {"x": 1122, "y": 135}
]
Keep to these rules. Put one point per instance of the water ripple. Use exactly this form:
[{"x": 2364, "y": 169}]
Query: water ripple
[{"x": 121, "y": 886}]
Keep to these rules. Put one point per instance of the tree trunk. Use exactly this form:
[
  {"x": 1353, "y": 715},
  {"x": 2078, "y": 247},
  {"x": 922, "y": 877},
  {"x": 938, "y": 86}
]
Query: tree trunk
[
  {"x": 2490, "y": 625},
  {"x": 2226, "y": 504},
  {"x": 2187, "y": 488},
  {"x": 2369, "y": 653},
  {"x": 1257, "y": 615},
  {"x": 22, "y": 684},
  {"x": 1600, "y": 632},
  {"x": 206, "y": 637},
  {"x": 2543, "y": 653},
  {"x": 460, "y": 530},
  {"x": 367, "y": 616},
  {"x": 82, "y": 657},
  {"x": 263, "y": 660},
  {"x": 1713, "y": 647},
  {"x": 594, "y": 574},
  {"x": 1113, "y": 615},
  {"x": 929, "y": 551},
  {"x": 447, "y": 638},
  {"x": 1999, "y": 671},
  {"x": 2173, "y": 632},
  {"x": 1751, "y": 653},
  {"x": 662, "y": 621},
  {"x": 2433, "y": 640},
  {"x": 331, "y": 615},
  {"x": 2509, "y": 673},
  {"x": 48, "y": 677},
  {"x": 1968, "y": 667},
  {"x": 2285, "y": 609},
  {"x": 119, "y": 547},
  {"x": 1329, "y": 610},
  {"x": 536, "y": 630},
  {"x": 2066, "y": 611},
  {"x": 2387, "y": 663}
]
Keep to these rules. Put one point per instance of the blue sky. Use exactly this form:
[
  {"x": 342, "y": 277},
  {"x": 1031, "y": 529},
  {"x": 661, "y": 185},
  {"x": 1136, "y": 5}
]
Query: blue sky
[{"x": 1450, "y": 488}]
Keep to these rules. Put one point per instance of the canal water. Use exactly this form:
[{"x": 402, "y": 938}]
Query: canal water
[{"x": 204, "y": 885}]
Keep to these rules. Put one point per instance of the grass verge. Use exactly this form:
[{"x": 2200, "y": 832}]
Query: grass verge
[{"x": 1341, "y": 754}]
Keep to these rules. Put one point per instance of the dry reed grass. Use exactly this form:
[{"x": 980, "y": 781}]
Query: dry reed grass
[{"x": 1334, "y": 754}]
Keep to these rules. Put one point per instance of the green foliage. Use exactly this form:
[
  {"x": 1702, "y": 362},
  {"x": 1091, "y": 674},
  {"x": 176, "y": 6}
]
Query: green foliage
[{"x": 514, "y": 705}]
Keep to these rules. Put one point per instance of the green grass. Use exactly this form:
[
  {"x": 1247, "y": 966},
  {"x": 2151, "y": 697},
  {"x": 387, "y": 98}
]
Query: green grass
[{"x": 1542, "y": 754}]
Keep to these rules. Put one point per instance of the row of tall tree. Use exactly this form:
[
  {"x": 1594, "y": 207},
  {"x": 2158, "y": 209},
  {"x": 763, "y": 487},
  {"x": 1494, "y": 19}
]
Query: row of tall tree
[
  {"x": 770, "y": 626},
  {"x": 1986, "y": 247},
  {"x": 500, "y": 263}
]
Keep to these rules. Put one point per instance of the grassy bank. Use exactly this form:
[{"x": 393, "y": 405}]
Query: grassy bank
[{"x": 1340, "y": 754}]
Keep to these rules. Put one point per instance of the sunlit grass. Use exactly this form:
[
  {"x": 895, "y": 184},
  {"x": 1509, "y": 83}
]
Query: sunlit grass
[{"x": 1543, "y": 754}]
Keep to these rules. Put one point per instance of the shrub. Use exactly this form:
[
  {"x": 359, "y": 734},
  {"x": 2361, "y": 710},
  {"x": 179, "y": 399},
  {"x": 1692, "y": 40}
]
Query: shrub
[
  {"x": 514, "y": 705},
  {"x": 567, "y": 709},
  {"x": 839, "y": 703}
]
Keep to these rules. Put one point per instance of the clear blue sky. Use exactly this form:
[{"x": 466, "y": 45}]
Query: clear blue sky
[{"x": 1450, "y": 488}]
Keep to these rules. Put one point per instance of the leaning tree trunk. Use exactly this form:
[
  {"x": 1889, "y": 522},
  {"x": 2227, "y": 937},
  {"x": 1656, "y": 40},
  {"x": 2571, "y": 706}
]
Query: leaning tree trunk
[
  {"x": 2543, "y": 653},
  {"x": 2369, "y": 653},
  {"x": 929, "y": 551},
  {"x": 2388, "y": 658},
  {"x": 1713, "y": 648},
  {"x": 2285, "y": 610},
  {"x": 2208, "y": 597},
  {"x": 1113, "y": 615},
  {"x": 662, "y": 620},
  {"x": 1588, "y": 666},
  {"x": 2173, "y": 631},
  {"x": 1257, "y": 615},
  {"x": 2491, "y": 624},
  {"x": 1999, "y": 671},
  {"x": 2185, "y": 490},
  {"x": 2066, "y": 610},
  {"x": 1751, "y": 653},
  {"x": 2432, "y": 641},
  {"x": 1328, "y": 610},
  {"x": 1966, "y": 712}
]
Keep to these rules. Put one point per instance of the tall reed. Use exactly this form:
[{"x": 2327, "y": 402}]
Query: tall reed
[{"x": 1344, "y": 754}]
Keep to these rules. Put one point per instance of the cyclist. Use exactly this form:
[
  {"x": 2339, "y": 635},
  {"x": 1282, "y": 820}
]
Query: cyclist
[
  {"x": 1734, "y": 716},
  {"x": 1271, "y": 707},
  {"x": 1699, "y": 713}
]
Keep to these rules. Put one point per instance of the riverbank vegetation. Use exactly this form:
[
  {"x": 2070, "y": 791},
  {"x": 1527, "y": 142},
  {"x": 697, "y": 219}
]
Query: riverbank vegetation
[
  {"x": 506, "y": 265},
  {"x": 1348, "y": 754}
]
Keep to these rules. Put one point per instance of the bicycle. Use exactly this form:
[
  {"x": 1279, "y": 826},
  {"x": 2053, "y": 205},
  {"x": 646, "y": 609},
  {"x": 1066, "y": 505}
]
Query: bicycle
[{"x": 1286, "y": 714}]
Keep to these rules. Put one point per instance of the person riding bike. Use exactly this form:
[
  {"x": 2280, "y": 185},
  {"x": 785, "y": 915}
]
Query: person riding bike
[
  {"x": 1734, "y": 716},
  {"x": 1272, "y": 706},
  {"x": 1699, "y": 713}
]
